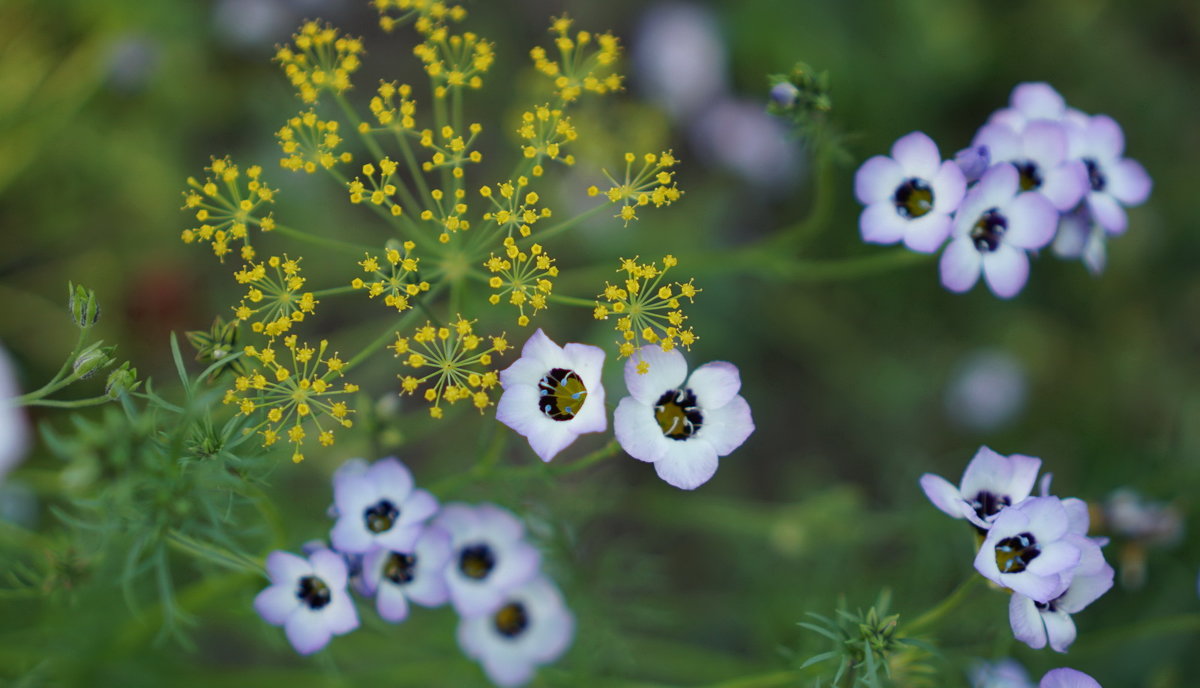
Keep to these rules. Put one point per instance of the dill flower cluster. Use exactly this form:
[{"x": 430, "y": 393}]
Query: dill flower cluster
[{"x": 225, "y": 209}]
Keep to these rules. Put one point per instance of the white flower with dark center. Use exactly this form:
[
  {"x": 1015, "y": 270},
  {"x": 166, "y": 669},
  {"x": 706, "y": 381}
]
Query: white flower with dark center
[
  {"x": 1113, "y": 182},
  {"x": 396, "y": 578},
  {"x": 1067, "y": 678},
  {"x": 308, "y": 598},
  {"x": 1030, "y": 549},
  {"x": 910, "y": 196},
  {"x": 991, "y": 482},
  {"x": 1081, "y": 237},
  {"x": 553, "y": 394},
  {"x": 996, "y": 224},
  {"x": 378, "y": 507},
  {"x": 1039, "y": 151},
  {"x": 14, "y": 429},
  {"x": 488, "y": 556},
  {"x": 681, "y": 424},
  {"x": 1038, "y": 623},
  {"x": 531, "y": 627}
]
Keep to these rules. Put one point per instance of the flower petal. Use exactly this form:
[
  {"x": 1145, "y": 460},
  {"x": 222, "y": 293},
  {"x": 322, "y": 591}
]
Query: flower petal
[
  {"x": 666, "y": 370},
  {"x": 340, "y": 615},
  {"x": 552, "y": 438},
  {"x": 637, "y": 431},
  {"x": 715, "y": 384},
  {"x": 1060, "y": 629},
  {"x": 927, "y": 233},
  {"x": 350, "y": 534},
  {"x": 508, "y": 669},
  {"x": 1044, "y": 142},
  {"x": 1067, "y": 678},
  {"x": 1037, "y": 100},
  {"x": 1064, "y": 185},
  {"x": 587, "y": 361},
  {"x": 286, "y": 568},
  {"x": 276, "y": 603},
  {"x": 1006, "y": 270},
  {"x": 1056, "y": 557},
  {"x": 943, "y": 494},
  {"x": 1026, "y": 622},
  {"x": 518, "y": 409},
  {"x": 1032, "y": 220},
  {"x": 391, "y": 604},
  {"x": 917, "y": 154},
  {"x": 330, "y": 567},
  {"x": 1108, "y": 212},
  {"x": 725, "y": 428},
  {"x": 391, "y": 478},
  {"x": 960, "y": 265},
  {"x": 1128, "y": 182},
  {"x": 307, "y": 632},
  {"x": 949, "y": 187},
  {"x": 687, "y": 465},
  {"x": 1105, "y": 138},
  {"x": 876, "y": 181},
  {"x": 539, "y": 347},
  {"x": 881, "y": 224}
]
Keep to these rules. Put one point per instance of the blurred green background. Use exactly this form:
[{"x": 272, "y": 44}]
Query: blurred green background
[{"x": 858, "y": 386}]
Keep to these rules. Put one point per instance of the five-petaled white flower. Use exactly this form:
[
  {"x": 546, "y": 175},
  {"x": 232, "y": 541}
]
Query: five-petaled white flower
[
  {"x": 1031, "y": 550},
  {"x": 308, "y": 598},
  {"x": 531, "y": 627},
  {"x": 395, "y": 578},
  {"x": 681, "y": 424},
  {"x": 991, "y": 482},
  {"x": 553, "y": 394},
  {"x": 377, "y": 506},
  {"x": 489, "y": 556}
]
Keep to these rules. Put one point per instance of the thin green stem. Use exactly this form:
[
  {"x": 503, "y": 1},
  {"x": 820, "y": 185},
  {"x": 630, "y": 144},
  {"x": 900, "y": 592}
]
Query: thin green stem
[
  {"x": 335, "y": 244},
  {"x": 935, "y": 614},
  {"x": 572, "y": 301},
  {"x": 58, "y": 381},
  {"x": 380, "y": 341},
  {"x": 333, "y": 291},
  {"x": 560, "y": 227},
  {"x": 414, "y": 169},
  {"x": 399, "y": 223},
  {"x": 352, "y": 115},
  {"x": 77, "y": 403}
]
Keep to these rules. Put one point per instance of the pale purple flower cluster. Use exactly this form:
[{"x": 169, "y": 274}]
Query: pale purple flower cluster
[
  {"x": 1037, "y": 173},
  {"x": 1009, "y": 674},
  {"x": 1035, "y": 546},
  {"x": 393, "y": 542},
  {"x": 680, "y": 423}
]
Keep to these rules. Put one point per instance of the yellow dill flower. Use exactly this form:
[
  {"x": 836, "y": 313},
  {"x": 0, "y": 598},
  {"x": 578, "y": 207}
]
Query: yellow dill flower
[
  {"x": 454, "y": 60},
  {"x": 647, "y": 309},
  {"x": 293, "y": 394},
  {"x": 425, "y": 14},
  {"x": 319, "y": 59},
  {"x": 448, "y": 215},
  {"x": 273, "y": 299},
  {"x": 393, "y": 115},
  {"x": 383, "y": 189},
  {"x": 451, "y": 364},
  {"x": 308, "y": 141},
  {"x": 514, "y": 209},
  {"x": 546, "y": 130},
  {"x": 225, "y": 207},
  {"x": 586, "y": 62},
  {"x": 524, "y": 276},
  {"x": 394, "y": 278},
  {"x": 449, "y": 149},
  {"x": 653, "y": 183}
]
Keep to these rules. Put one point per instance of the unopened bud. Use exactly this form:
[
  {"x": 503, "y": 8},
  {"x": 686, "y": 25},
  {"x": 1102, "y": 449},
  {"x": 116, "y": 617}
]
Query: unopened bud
[
  {"x": 92, "y": 359},
  {"x": 82, "y": 304},
  {"x": 121, "y": 380},
  {"x": 784, "y": 94}
]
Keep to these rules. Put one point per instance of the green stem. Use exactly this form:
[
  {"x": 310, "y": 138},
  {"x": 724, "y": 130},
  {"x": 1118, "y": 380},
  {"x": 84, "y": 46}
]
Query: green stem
[
  {"x": 57, "y": 382},
  {"x": 332, "y": 291},
  {"x": 380, "y": 341},
  {"x": 572, "y": 301},
  {"x": 563, "y": 226},
  {"x": 399, "y": 222},
  {"x": 77, "y": 403},
  {"x": 589, "y": 460},
  {"x": 954, "y": 599},
  {"x": 352, "y": 115},
  {"x": 335, "y": 244}
]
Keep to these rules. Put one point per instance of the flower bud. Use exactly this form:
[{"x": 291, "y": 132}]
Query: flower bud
[
  {"x": 121, "y": 380},
  {"x": 82, "y": 304},
  {"x": 92, "y": 359},
  {"x": 784, "y": 94}
]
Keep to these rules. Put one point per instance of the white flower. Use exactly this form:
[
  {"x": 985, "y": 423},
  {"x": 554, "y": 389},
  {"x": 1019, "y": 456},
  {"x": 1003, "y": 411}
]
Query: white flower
[
  {"x": 1005, "y": 673},
  {"x": 531, "y": 627},
  {"x": 308, "y": 598},
  {"x": 395, "y": 578},
  {"x": 991, "y": 482},
  {"x": 489, "y": 556},
  {"x": 681, "y": 424},
  {"x": 1067, "y": 678},
  {"x": 553, "y": 394},
  {"x": 14, "y": 429},
  {"x": 1031, "y": 550},
  {"x": 378, "y": 507},
  {"x": 1114, "y": 182},
  {"x": 1029, "y": 102}
]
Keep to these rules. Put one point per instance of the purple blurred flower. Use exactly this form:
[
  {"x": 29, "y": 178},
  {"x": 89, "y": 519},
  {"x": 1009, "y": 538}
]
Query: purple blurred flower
[
  {"x": 990, "y": 483},
  {"x": 308, "y": 598},
  {"x": 14, "y": 428},
  {"x": 909, "y": 196},
  {"x": 1028, "y": 102},
  {"x": 973, "y": 161},
  {"x": 378, "y": 507},
  {"x": 1039, "y": 151},
  {"x": 1067, "y": 678},
  {"x": 1079, "y": 237},
  {"x": 1114, "y": 182},
  {"x": 680, "y": 59},
  {"x": 531, "y": 627},
  {"x": 1005, "y": 673},
  {"x": 993, "y": 228},
  {"x": 489, "y": 556},
  {"x": 417, "y": 575}
]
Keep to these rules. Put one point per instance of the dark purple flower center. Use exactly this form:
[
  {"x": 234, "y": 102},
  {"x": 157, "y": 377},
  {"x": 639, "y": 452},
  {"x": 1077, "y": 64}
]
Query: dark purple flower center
[
  {"x": 476, "y": 561},
  {"x": 400, "y": 568},
  {"x": 1051, "y": 606},
  {"x": 677, "y": 414},
  {"x": 1096, "y": 177},
  {"x": 913, "y": 198},
  {"x": 562, "y": 394},
  {"x": 988, "y": 229},
  {"x": 313, "y": 592},
  {"x": 1013, "y": 554},
  {"x": 511, "y": 620},
  {"x": 380, "y": 516},
  {"x": 987, "y": 504},
  {"x": 1031, "y": 175}
]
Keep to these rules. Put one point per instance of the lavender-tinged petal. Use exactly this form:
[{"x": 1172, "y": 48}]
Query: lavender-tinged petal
[
  {"x": 1085, "y": 590},
  {"x": 1060, "y": 629},
  {"x": 881, "y": 224},
  {"x": 539, "y": 347},
  {"x": 518, "y": 409},
  {"x": 399, "y": 538},
  {"x": 1108, "y": 212},
  {"x": 1078, "y": 519},
  {"x": 1074, "y": 230},
  {"x": 550, "y": 439},
  {"x": 688, "y": 465},
  {"x": 1032, "y": 220},
  {"x": 917, "y": 155},
  {"x": 523, "y": 371},
  {"x": 353, "y": 493},
  {"x": 330, "y": 567},
  {"x": 508, "y": 669},
  {"x": 340, "y": 615},
  {"x": 943, "y": 494},
  {"x": 972, "y": 161},
  {"x": 995, "y": 189},
  {"x": 1006, "y": 270},
  {"x": 307, "y": 632},
  {"x": 715, "y": 384},
  {"x": 1064, "y": 185},
  {"x": 391, "y": 478},
  {"x": 960, "y": 265},
  {"x": 350, "y": 534},
  {"x": 949, "y": 186},
  {"x": 1044, "y": 142},
  {"x": 988, "y": 471},
  {"x": 1040, "y": 588},
  {"x": 876, "y": 181},
  {"x": 1067, "y": 678},
  {"x": 637, "y": 431},
  {"x": 587, "y": 361},
  {"x": 1054, "y": 558},
  {"x": 499, "y": 522},
  {"x": 926, "y": 234},
  {"x": 1107, "y": 141},
  {"x": 420, "y": 506},
  {"x": 276, "y": 603},
  {"x": 391, "y": 604},
  {"x": 1128, "y": 182},
  {"x": 666, "y": 370},
  {"x": 1002, "y": 141},
  {"x": 1026, "y": 622},
  {"x": 286, "y": 568},
  {"x": 521, "y": 562},
  {"x": 429, "y": 590},
  {"x": 1024, "y": 475},
  {"x": 726, "y": 428},
  {"x": 1095, "y": 253},
  {"x": 1037, "y": 100},
  {"x": 1047, "y": 518}
]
